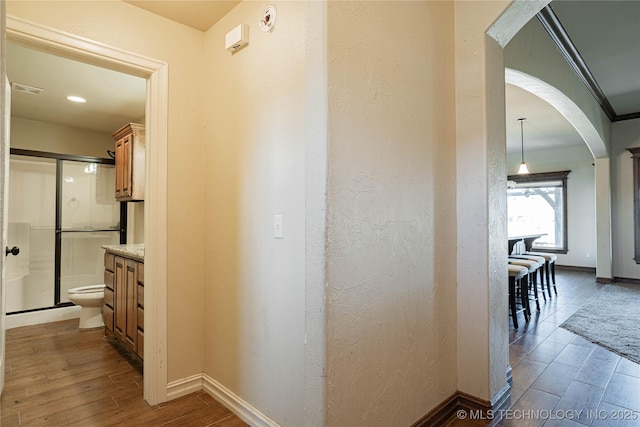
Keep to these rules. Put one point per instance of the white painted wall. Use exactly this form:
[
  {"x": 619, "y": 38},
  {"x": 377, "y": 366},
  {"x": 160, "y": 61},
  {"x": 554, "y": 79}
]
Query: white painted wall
[
  {"x": 581, "y": 220},
  {"x": 626, "y": 134},
  {"x": 391, "y": 322},
  {"x": 255, "y": 152},
  {"x": 42, "y": 136}
]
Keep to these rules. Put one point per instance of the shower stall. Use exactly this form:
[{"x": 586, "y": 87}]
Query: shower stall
[{"x": 62, "y": 210}]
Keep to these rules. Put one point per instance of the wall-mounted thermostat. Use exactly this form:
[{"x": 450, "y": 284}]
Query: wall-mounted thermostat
[
  {"x": 268, "y": 18},
  {"x": 237, "y": 38}
]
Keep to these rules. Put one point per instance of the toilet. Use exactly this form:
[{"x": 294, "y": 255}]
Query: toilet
[{"x": 90, "y": 300}]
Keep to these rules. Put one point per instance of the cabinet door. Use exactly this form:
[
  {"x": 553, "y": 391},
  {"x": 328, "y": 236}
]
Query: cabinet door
[
  {"x": 119, "y": 167},
  {"x": 131, "y": 331},
  {"x": 121, "y": 299},
  {"x": 123, "y": 166}
]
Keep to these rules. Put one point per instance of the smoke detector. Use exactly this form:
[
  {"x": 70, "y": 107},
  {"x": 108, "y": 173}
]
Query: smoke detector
[{"x": 19, "y": 87}]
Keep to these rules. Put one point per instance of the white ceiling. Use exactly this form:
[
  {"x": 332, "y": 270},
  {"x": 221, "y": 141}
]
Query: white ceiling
[
  {"x": 606, "y": 34},
  {"x": 544, "y": 128},
  {"x": 199, "y": 14},
  {"x": 113, "y": 98}
]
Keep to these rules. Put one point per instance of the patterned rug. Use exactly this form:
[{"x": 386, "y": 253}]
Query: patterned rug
[{"x": 611, "y": 319}]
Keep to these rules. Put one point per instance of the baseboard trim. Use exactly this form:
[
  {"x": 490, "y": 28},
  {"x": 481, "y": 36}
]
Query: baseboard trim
[
  {"x": 462, "y": 403},
  {"x": 576, "y": 268},
  {"x": 229, "y": 399},
  {"x": 604, "y": 280},
  {"x": 43, "y": 316},
  {"x": 626, "y": 280},
  {"x": 235, "y": 404},
  {"x": 182, "y": 387}
]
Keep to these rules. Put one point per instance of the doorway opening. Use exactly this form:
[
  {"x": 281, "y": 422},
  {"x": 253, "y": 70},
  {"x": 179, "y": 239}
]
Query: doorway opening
[{"x": 156, "y": 74}]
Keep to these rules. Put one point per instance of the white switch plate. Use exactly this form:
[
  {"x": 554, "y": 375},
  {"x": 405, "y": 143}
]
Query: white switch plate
[{"x": 278, "y": 232}]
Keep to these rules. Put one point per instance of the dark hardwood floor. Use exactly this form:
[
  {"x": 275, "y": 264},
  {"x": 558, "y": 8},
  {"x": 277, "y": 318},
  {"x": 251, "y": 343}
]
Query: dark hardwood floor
[
  {"x": 59, "y": 376},
  {"x": 561, "y": 379}
]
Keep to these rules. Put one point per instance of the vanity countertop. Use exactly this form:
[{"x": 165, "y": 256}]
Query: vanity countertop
[{"x": 134, "y": 251}]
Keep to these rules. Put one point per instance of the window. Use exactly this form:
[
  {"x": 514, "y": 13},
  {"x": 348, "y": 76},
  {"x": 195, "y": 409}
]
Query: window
[{"x": 537, "y": 204}]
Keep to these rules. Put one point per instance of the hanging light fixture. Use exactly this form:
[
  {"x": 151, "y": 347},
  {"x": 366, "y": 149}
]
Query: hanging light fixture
[{"x": 523, "y": 166}]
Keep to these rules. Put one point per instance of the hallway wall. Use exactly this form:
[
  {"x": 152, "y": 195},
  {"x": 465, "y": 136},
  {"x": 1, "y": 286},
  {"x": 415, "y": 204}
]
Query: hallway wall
[
  {"x": 391, "y": 322},
  {"x": 255, "y": 152}
]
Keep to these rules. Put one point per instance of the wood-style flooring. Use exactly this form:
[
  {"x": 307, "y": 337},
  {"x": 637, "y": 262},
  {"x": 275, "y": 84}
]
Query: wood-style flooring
[
  {"x": 57, "y": 375},
  {"x": 561, "y": 379}
]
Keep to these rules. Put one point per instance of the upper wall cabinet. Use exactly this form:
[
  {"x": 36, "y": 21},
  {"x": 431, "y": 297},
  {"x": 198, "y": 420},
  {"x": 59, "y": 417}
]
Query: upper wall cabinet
[{"x": 130, "y": 163}]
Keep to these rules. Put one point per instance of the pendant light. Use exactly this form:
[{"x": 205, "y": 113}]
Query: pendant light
[{"x": 523, "y": 166}]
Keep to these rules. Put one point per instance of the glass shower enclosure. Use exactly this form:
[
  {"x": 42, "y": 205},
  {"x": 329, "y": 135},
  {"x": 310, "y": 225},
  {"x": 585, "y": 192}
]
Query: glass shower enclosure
[{"x": 62, "y": 210}]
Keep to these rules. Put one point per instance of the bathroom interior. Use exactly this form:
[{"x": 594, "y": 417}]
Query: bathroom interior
[{"x": 62, "y": 204}]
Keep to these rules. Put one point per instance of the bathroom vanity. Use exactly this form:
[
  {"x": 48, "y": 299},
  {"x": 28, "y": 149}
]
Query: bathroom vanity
[{"x": 123, "y": 308}]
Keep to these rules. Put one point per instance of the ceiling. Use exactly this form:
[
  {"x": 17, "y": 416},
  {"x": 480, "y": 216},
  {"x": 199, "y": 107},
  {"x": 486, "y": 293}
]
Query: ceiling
[
  {"x": 605, "y": 35},
  {"x": 198, "y": 14},
  {"x": 113, "y": 98}
]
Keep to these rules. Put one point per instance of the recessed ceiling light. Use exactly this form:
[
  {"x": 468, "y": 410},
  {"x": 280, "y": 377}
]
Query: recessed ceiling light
[{"x": 76, "y": 99}]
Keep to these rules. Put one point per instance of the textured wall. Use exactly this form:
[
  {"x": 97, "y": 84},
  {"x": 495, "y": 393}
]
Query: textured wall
[{"x": 391, "y": 321}]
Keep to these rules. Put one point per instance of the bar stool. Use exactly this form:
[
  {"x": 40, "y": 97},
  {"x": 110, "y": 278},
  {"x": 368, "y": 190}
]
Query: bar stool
[
  {"x": 532, "y": 267},
  {"x": 518, "y": 276},
  {"x": 541, "y": 263},
  {"x": 549, "y": 268}
]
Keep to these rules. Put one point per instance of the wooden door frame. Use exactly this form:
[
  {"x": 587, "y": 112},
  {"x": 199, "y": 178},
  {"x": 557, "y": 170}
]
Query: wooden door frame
[{"x": 155, "y": 228}]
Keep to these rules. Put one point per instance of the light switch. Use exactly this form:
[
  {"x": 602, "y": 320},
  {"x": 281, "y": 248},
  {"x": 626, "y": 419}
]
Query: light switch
[{"x": 277, "y": 227}]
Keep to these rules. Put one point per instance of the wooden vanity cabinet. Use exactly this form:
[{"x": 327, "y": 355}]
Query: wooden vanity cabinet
[
  {"x": 140, "y": 310},
  {"x": 130, "y": 162},
  {"x": 123, "y": 309},
  {"x": 108, "y": 309}
]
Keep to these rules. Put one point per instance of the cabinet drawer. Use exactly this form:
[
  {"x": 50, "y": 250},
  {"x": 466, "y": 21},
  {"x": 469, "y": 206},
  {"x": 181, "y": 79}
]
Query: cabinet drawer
[
  {"x": 108, "y": 297},
  {"x": 141, "y": 273},
  {"x": 140, "y": 318},
  {"x": 107, "y": 315},
  {"x": 109, "y": 262},
  {"x": 141, "y": 296},
  {"x": 140, "y": 344},
  {"x": 108, "y": 279}
]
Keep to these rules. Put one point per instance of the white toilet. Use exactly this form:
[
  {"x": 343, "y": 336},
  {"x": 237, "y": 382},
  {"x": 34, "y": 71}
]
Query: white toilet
[{"x": 90, "y": 300}]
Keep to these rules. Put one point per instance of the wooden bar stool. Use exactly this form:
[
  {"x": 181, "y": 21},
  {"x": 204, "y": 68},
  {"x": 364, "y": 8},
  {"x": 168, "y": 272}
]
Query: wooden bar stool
[
  {"x": 549, "y": 268},
  {"x": 518, "y": 278},
  {"x": 532, "y": 270}
]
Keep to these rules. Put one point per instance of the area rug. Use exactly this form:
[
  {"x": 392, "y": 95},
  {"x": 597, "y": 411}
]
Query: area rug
[{"x": 611, "y": 319}]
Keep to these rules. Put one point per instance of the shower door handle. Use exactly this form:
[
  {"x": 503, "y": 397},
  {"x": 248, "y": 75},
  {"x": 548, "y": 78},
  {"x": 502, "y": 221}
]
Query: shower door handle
[{"x": 13, "y": 251}]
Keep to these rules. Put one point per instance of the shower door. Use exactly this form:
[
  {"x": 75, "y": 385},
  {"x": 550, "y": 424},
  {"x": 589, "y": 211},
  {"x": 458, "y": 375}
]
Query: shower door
[
  {"x": 89, "y": 218},
  {"x": 61, "y": 212}
]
